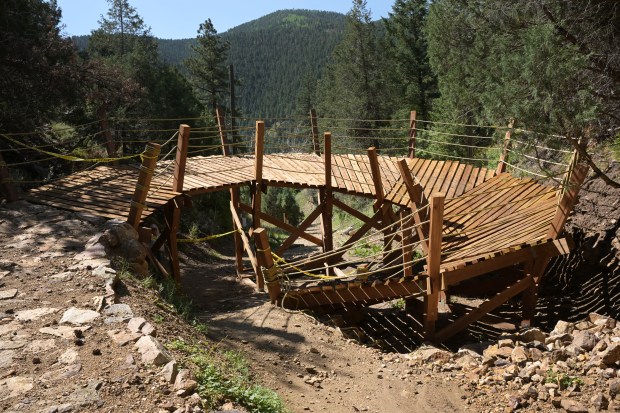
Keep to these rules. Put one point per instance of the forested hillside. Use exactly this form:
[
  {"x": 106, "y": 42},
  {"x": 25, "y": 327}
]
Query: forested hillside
[{"x": 271, "y": 55}]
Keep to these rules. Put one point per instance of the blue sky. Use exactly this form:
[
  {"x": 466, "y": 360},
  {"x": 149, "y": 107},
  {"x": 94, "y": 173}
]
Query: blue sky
[{"x": 180, "y": 18}]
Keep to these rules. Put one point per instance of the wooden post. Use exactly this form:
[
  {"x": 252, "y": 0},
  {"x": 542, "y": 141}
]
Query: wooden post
[
  {"x": 149, "y": 161},
  {"x": 431, "y": 300},
  {"x": 326, "y": 196},
  {"x": 417, "y": 200},
  {"x": 258, "y": 173},
  {"x": 406, "y": 224},
  {"x": 380, "y": 204},
  {"x": 316, "y": 145},
  {"x": 234, "y": 193},
  {"x": 413, "y": 132},
  {"x": 503, "y": 158},
  {"x": 265, "y": 261},
  {"x": 102, "y": 114},
  {"x": 173, "y": 218},
  {"x": 181, "y": 159},
  {"x": 6, "y": 182}
]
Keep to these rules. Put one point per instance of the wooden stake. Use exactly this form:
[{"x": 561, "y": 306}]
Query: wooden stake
[
  {"x": 266, "y": 261},
  {"x": 228, "y": 150},
  {"x": 6, "y": 182},
  {"x": 431, "y": 301},
  {"x": 412, "y": 133},
  {"x": 181, "y": 159},
  {"x": 326, "y": 196},
  {"x": 258, "y": 173},
  {"x": 173, "y": 219},
  {"x": 315, "y": 132},
  {"x": 149, "y": 161},
  {"x": 503, "y": 158}
]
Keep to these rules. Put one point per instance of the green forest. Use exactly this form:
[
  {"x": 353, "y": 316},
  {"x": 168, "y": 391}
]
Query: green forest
[{"x": 551, "y": 65}]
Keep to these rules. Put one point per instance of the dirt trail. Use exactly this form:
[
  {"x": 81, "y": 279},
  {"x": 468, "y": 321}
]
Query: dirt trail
[{"x": 311, "y": 364}]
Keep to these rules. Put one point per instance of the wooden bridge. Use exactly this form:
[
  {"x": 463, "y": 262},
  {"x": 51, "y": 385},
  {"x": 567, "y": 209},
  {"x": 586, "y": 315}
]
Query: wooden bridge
[{"x": 465, "y": 221}]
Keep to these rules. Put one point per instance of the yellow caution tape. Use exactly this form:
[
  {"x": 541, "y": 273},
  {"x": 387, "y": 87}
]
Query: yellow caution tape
[
  {"x": 309, "y": 274},
  {"x": 71, "y": 157},
  {"x": 207, "y": 238}
]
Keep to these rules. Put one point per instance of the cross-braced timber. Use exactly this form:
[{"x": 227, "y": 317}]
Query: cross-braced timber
[{"x": 462, "y": 221}]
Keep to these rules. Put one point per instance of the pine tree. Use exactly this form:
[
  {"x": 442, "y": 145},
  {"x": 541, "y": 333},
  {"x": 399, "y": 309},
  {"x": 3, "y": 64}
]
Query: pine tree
[
  {"x": 207, "y": 66},
  {"x": 407, "y": 50},
  {"x": 352, "y": 86}
]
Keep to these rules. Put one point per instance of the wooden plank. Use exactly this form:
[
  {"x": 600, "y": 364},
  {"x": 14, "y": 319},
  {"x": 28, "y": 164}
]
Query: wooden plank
[
  {"x": 246, "y": 243},
  {"x": 300, "y": 230},
  {"x": 149, "y": 160},
  {"x": 412, "y": 133},
  {"x": 327, "y": 196},
  {"x": 314, "y": 126},
  {"x": 569, "y": 199},
  {"x": 258, "y": 174}
]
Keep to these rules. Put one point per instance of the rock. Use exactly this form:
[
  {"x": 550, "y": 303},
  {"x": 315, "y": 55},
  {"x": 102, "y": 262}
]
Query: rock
[
  {"x": 59, "y": 408},
  {"x": 135, "y": 324},
  {"x": 117, "y": 313},
  {"x": 584, "y": 325},
  {"x": 584, "y": 339},
  {"x": 599, "y": 401},
  {"x": 9, "y": 328},
  {"x": 494, "y": 351},
  {"x": 612, "y": 354},
  {"x": 572, "y": 406},
  {"x": 532, "y": 334},
  {"x": 62, "y": 277},
  {"x": 184, "y": 383},
  {"x": 562, "y": 327},
  {"x": 11, "y": 345},
  {"x": 519, "y": 354},
  {"x": 15, "y": 386},
  {"x": 63, "y": 373},
  {"x": 103, "y": 271},
  {"x": 34, "y": 314},
  {"x": 68, "y": 357},
  {"x": 614, "y": 387},
  {"x": 6, "y": 358},
  {"x": 40, "y": 346},
  {"x": 8, "y": 294},
  {"x": 148, "y": 330},
  {"x": 86, "y": 395},
  {"x": 66, "y": 332},
  {"x": 432, "y": 354},
  {"x": 152, "y": 351},
  {"x": 78, "y": 316},
  {"x": 123, "y": 338},
  {"x": 505, "y": 343},
  {"x": 169, "y": 372}
]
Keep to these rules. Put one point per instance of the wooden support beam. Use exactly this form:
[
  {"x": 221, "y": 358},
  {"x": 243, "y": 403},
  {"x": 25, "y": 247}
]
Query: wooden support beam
[
  {"x": 431, "y": 300},
  {"x": 354, "y": 294},
  {"x": 265, "y": 261},
  {"x": 486, "y": 264},
  {"x": 173, "y": 219},
  {"x": 248, "y": 249},
  {"x": 258, "y": 173},
  {"x": 316, "y": 145},
  {"x": 6, "y": 182},
  {"x": 483, "y": 309},
  {"x": 569, "y": 198},
  {"x": 406, "y": 243},
  {"x": 181, "y": 158},
  {"x": 297, "y": 232},
  {"x": 235, "y": 197},
  {"x": 384, "y": 207},
  {"x": 300, "y": 231},
  {"x": 326, "y": 197},
  {"x": 149, "y": 161},
  {"x": 412, "y": 133},
  {"x": 503, "y": 158},
  {"x": 418, "y": 202}
]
